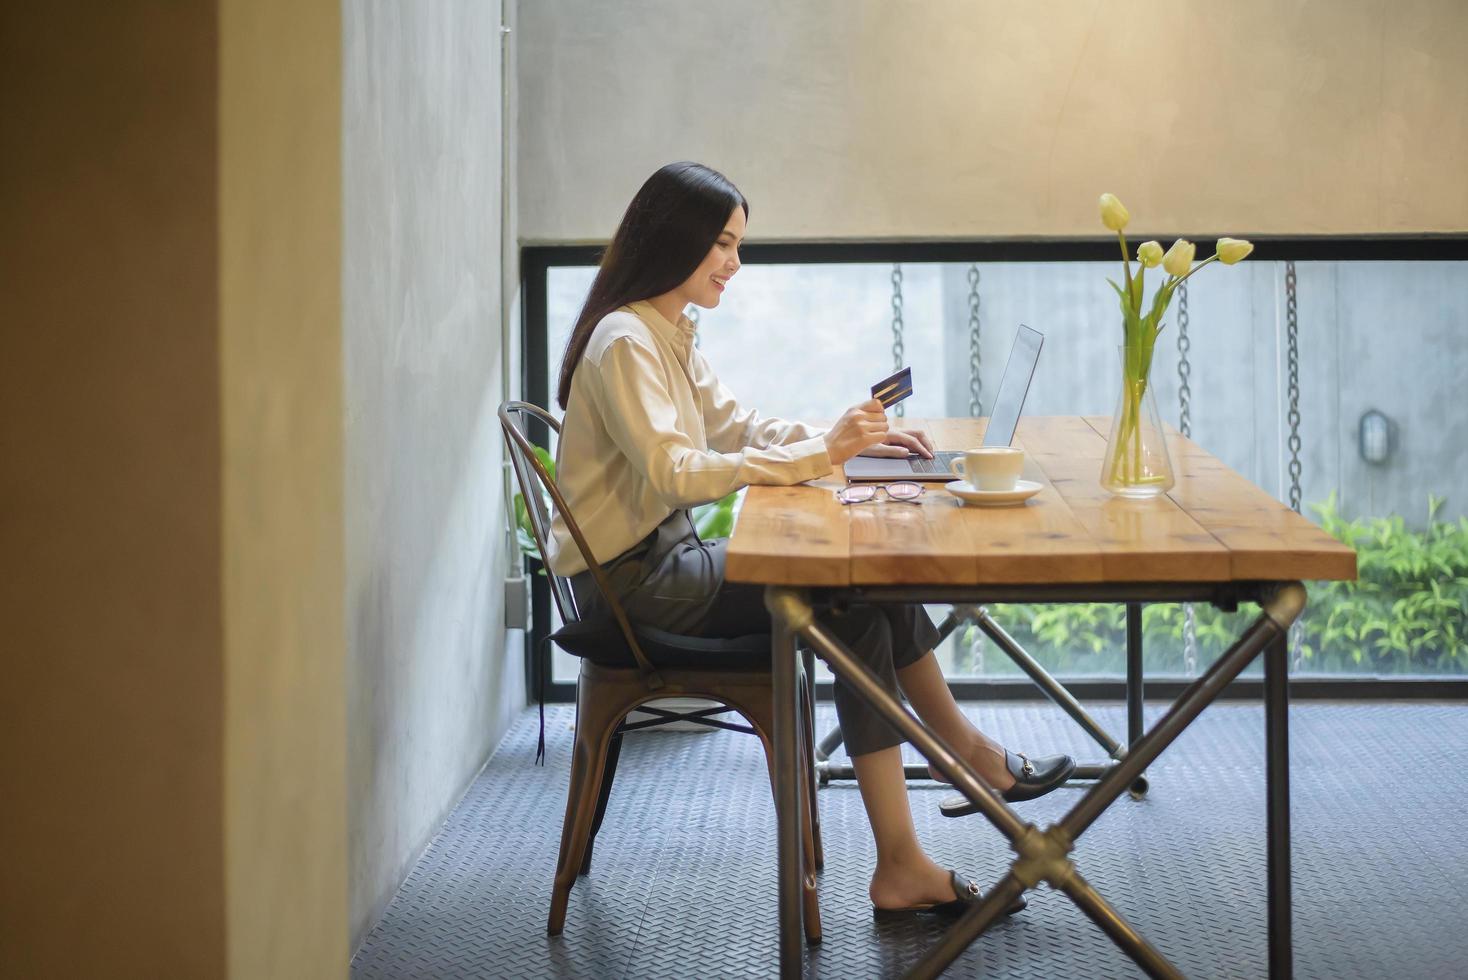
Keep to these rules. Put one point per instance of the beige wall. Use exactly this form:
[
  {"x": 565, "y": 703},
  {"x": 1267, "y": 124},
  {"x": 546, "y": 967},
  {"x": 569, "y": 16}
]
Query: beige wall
[
  {"x": 955, "y": 118},
  {"x": 173, "y": 735},
  {"x": 280, "y": 331}
]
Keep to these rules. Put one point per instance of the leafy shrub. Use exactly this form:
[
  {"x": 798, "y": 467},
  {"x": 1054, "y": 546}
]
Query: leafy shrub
[{"x": 1403, "y": 615}]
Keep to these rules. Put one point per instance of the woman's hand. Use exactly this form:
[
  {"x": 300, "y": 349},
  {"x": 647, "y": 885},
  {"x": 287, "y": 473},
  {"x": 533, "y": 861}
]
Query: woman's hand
[
  {"x": 858, "y": 428},
  {"x": 898, "y": 443}
]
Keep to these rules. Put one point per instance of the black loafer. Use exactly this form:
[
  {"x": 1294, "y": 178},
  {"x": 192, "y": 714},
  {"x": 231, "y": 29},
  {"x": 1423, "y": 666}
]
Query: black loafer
[
  {"x": 968, "y": 896},
  {"x": 1032, "y": 778}
]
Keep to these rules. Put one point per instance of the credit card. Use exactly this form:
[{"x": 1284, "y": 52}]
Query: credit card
[{"x": 894, "y": 389}]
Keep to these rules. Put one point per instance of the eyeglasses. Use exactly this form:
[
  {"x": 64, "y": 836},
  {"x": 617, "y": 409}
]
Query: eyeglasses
[{"x": 860, "y": 493}]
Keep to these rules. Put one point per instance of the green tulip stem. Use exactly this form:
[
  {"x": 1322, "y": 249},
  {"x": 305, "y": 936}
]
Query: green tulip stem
[
  {"x": 1126, "y": 259},
  {"x": 1127, "y": 461}
]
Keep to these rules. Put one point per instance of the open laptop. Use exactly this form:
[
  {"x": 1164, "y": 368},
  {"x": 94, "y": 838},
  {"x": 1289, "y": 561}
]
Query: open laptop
[{"x": 1024, "y": 354}]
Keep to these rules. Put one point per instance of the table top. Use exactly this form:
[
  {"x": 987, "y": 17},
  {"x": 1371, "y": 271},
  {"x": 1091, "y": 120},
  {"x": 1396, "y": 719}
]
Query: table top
[{"x": 1213, "y": 526}]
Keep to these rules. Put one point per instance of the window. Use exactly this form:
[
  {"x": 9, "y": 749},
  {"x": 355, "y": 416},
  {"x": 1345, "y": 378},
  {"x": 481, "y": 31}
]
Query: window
[{"x": 1383, "y": 429}]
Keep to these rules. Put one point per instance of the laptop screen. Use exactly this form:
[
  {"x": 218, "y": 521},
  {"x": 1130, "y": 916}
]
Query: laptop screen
[{"x": 1018, "y": 371}]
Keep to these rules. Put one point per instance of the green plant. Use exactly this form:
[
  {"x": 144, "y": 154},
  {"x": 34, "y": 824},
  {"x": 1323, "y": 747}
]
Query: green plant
[
  {"x": 523, "y": 531},
  {"x": 1404, "y": 614},
  {"x": 716, "y": 520},
  {"x": 712, "y": 520}
]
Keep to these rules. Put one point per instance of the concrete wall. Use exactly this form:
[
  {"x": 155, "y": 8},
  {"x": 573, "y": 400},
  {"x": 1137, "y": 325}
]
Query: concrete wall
[
  {"x": 868, "y": 119},
  {"x": 1390, "y": 336},
  {"x": 955, "y": 118},
  {"x": 432, "y": 681},
  {"x": 170, "y": 507}
]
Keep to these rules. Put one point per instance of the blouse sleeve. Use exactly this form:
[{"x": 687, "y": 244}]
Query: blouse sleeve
[
  {"x": 640, "y": 415},
  {"x": 730, "y": 426}
]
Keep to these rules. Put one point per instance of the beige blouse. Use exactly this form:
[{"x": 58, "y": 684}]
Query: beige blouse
[{"x": 649, "y": 430}]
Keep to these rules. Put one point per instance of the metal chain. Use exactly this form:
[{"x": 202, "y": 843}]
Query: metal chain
[
  {"x": 1292, "y": 339},
  {"x": 975, "y": 360},
  {"x": 897, "y": 326},
  {"x": 980, "y": 642},
  {"x": 1190, "y": 640},
  {"x": 1184, "y": 369},
  {"x": 1292, "y": 317},
  {"x": 1185, "y": 426},
  {"x": 1292, "y": 324}
]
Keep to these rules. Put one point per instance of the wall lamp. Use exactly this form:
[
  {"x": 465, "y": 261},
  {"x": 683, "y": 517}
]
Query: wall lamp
[{"x": 1375, "y": 437}]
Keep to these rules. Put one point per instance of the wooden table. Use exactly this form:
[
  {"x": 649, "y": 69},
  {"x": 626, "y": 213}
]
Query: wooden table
[{"x": 1215, "y": 537}]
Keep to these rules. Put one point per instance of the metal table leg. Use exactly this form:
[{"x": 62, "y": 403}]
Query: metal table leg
[
  {"x": 791, "y": 610},
  {"x": 1062, "y": 698},
  {"x": 829, "y": 744},
  {"x": 1135, "y": 719},
  {"x": 1277, "y": 775},
  {"x": 1101, "y": 912},
  {"x": 1051, "y": 687},
  {"x": 787, "y": 798},
  {"x": 1044, "y": 855}
]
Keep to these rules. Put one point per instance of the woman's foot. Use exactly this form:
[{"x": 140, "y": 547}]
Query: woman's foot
[
  {"x": 954, "y": 897},
  {"x": 988, "y": 759},
  {"x": 914, "y": 882},
  {"x": 1032, "y": 778}
]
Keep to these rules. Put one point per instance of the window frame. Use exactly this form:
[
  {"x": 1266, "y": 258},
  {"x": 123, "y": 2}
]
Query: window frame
[{"x": 536, "y": 261}]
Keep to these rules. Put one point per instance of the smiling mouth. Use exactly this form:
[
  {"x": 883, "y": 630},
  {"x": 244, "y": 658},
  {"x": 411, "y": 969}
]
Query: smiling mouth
[{"x": 721, "y": 283}]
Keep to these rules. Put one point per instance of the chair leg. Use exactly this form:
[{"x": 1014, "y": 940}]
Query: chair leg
[
  {"x": 814, "y": 858},
  {"x": 598, "y": 713},
  {"x": 807, "y": 759},
  {"x": 614, "y": 752},
  {"x": 762, "y": 719}
]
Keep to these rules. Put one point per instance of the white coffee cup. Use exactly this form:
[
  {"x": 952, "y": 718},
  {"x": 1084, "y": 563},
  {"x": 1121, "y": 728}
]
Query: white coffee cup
[{"x": 991, "y": 467}]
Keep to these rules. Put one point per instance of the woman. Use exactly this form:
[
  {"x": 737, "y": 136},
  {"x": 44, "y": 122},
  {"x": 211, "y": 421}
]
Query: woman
[{"x": 650, "y": 432}]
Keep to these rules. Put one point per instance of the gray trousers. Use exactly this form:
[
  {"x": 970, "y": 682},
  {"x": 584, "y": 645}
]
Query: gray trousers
[{"x": 673, "y": 581}]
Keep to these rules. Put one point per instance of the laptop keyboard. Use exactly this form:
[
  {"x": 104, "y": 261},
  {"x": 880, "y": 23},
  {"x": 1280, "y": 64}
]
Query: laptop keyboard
[{"x": 940, "y": 463}]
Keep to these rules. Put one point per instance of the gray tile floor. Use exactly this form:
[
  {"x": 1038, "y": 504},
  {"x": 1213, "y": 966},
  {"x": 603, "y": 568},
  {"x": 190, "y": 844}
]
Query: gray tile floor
[{"x": 683, "y": 880}]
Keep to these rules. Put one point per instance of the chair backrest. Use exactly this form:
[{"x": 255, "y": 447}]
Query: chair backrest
[
  {"x": 532, "y": 477},
  {"x": 529, "y": 478}
]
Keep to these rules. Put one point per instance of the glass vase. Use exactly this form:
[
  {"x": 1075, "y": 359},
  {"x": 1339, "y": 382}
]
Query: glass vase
[{"x": 1136, "y": 464}]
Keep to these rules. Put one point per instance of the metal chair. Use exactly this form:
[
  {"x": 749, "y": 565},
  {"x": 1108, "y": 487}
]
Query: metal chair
[{"x": 625, "y": 665}]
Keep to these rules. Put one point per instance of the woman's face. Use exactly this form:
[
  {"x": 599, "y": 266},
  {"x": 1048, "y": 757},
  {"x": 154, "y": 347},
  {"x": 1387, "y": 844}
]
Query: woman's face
[{"x": 707, "y": 283}]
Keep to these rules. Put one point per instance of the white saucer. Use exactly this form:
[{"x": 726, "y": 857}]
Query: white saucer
[{"x": 1023, "y": 490}]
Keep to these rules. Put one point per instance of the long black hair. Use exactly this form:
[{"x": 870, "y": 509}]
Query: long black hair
[{"x": 668, "y": 229}]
